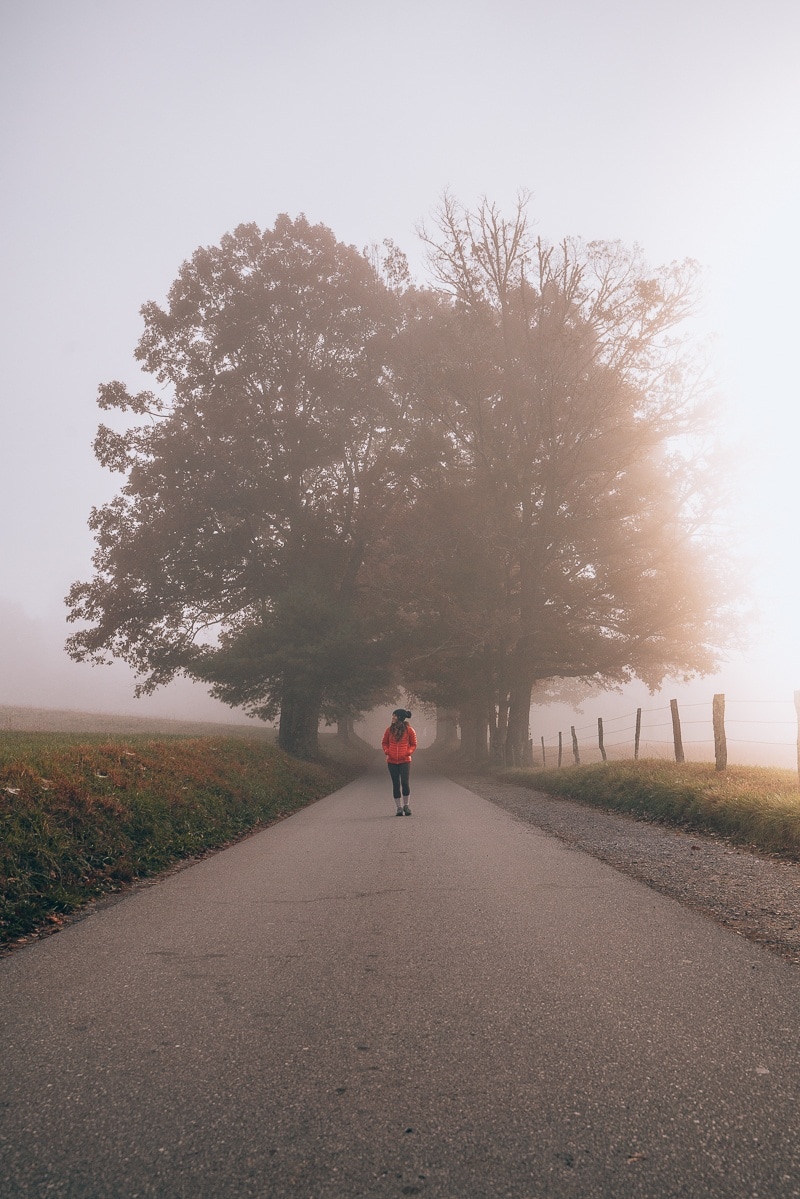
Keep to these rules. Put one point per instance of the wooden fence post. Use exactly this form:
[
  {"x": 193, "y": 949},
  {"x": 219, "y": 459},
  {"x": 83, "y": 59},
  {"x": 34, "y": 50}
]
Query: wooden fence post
[
  {"x": 720, "y": 740},
  {"x": 637, "y": 735},
  {"x": 575, "y": 753},
  {"x": 560, "y": 747},
  {"x": 797, "y": 709},
  {"x": 544, "y": 758},
  {"x": 600, "y": 738},
  {"x": 676, "y": 730}
]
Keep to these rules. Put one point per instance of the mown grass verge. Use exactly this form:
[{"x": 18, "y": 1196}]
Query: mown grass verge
[
  {"x": 752, "y": 805},
  {"x": 80, "y": 816}
]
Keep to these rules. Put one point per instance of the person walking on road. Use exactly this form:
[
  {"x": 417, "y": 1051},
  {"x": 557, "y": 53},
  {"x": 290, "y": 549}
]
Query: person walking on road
[{"x": 399, "y": 743}]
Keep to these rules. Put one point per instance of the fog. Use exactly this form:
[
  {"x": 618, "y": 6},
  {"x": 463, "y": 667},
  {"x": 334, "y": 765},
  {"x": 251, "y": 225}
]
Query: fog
[
  {"x": 135, "y": 133},
  {"x": 36, "y": 673}
]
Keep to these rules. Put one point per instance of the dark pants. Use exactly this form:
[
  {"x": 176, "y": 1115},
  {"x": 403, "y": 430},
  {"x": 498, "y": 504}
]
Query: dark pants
[{"x": 399, "y": 772}]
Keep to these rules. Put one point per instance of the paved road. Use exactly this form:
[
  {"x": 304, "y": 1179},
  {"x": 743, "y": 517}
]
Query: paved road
[{"x": 350, "y": 1004}]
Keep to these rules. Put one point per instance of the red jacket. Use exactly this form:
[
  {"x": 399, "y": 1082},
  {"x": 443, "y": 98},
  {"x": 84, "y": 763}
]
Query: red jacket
[{"x": 399, "y": 751}]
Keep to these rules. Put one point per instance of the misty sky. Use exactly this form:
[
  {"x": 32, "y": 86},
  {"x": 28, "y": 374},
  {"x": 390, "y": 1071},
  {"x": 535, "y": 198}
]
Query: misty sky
[{"x": 133, "y": 133}]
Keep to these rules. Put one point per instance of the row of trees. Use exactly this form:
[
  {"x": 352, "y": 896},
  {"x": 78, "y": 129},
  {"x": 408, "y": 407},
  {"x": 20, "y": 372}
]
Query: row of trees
[{"x": 347, "y": 483}]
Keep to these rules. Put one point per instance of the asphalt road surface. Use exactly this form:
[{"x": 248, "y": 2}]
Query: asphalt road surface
[{"x": 352, "y": 1004}]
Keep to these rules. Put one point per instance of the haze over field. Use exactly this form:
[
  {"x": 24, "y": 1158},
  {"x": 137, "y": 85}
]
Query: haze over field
[{"x": 134, "y": 134}]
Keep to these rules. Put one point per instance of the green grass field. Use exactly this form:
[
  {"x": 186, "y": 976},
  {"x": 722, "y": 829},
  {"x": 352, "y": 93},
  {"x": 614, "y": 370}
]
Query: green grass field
[
  {"x": 757, "y": 806},
  {"x": 82, "y": 814}
]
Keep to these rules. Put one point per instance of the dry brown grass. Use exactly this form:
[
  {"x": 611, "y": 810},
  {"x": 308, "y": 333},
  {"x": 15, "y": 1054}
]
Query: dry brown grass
[{"x": 755, "y": 805}]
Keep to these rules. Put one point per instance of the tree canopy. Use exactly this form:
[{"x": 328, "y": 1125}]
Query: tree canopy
[
  {"x": 270, "y": 456},
  {"x": 574, "y": 414},
  {"x": 344, "y": 482}
]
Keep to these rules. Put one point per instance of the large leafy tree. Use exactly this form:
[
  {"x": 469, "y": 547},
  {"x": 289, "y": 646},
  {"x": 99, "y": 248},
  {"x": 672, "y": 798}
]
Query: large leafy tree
[
  {"x": 257, "y": 477},
  {"x": 574, "y": 416},
  {"x": 496, "y": 481}
]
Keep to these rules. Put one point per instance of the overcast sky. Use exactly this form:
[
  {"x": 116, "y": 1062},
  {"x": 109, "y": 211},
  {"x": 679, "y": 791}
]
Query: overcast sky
[{"x": 133, "y": 133}]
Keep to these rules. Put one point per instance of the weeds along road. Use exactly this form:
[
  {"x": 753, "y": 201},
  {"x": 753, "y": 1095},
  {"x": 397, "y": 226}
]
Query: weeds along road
[{"x": 351, "y": 1004}]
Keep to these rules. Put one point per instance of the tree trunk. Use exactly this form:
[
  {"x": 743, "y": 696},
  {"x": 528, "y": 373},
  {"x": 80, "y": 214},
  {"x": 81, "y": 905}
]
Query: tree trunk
[
  {"x": 299, "y": 724},
  {"x": 345, "y": 730},
  {"x": 474, "y": 735},
  {"x": 519, "y": 719},
  {"x": 446, "y": 729},
  {"x": 497, "y": 735},
  {"x": 499, "y": 754}
]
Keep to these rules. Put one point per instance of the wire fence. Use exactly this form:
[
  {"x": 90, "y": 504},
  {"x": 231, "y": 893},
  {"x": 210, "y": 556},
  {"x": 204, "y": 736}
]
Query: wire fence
[{"x": 745, "y": 732}]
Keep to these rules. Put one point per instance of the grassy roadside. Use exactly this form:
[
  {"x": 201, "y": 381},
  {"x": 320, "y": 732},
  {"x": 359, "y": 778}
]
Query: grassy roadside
[
  {"x": 84, "y": 815},
  {"x": 752, "y": 805}
]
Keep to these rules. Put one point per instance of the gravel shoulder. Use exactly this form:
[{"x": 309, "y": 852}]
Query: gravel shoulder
[{"x": 752, "y": 894}]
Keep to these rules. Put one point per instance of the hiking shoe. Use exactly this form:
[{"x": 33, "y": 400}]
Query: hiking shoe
[
  {"x": 406, "y": 810},
  {"x": 399, "y": 812}
]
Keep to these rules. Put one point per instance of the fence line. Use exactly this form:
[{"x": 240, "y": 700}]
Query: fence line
[{"x": 603, "y": 736}]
